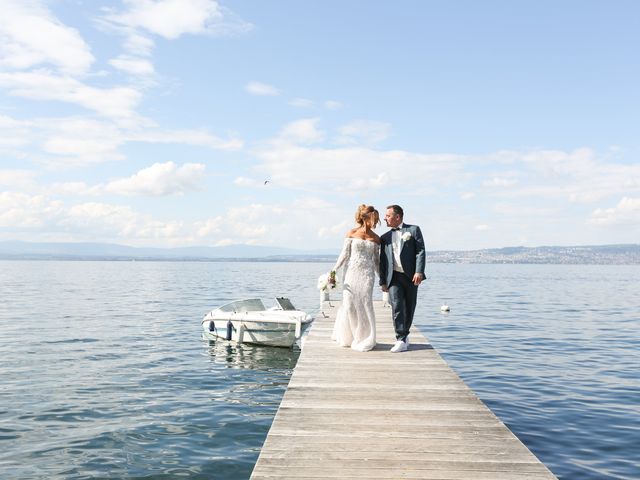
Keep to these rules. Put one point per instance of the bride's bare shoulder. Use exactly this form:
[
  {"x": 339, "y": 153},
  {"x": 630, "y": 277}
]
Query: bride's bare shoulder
[{"x": 352, "y": 233}]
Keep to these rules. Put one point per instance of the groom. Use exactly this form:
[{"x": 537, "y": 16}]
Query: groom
[{"x": 402, "y": 259}]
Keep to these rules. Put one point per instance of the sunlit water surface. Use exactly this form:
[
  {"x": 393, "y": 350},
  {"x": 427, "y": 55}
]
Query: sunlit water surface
[{"x": 104, "y": 373}]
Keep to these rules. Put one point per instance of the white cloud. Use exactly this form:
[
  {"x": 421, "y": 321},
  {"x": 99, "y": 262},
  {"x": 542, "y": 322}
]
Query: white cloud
[
  {"x": 482, "y": 228},
  {"x": 605, "y": 180},
  {"x": 20, "y": 212},
  {"x": 224, "y": 242},
  {"x": 333, "y": 230},
  {"x": 103, "y": 220},
  {"x": 133, "y": 65},
  {"x": 297, "y": 166},
  {"x": 626, "y": 212},
  {"x": 140, "y": 20},
  {"x": 81, "y": 151},
  {"x": 31, "y": 36},
  {"x": 288, "y": 160},
  {"x": 173, "y": 18},
  {"x": 7, "y": 122},
  {"x": 137, "y": 44},
  {"x": 554, "y": 163},
  {"x": 209, "y": 228},
  {"x": 262, "y": 89},
  {"x": 159, "y": 179},
  {"x": 302, "y": 103},
  {"x": 363, "y": 183},
  {"x": 579, "y": 176},
  {"x": 332, "y": 105},
  {"x": 115, "y": 102},
  {"x": 524, "y": 210},
  {"x": 252, "y": 224},
  {"x": 18, "y": 179},
  {"x": 273, "y": 224},
  {"x": 53, "y": 57},
  {"x": 263, "y": 224},
  {"x": 40, "y": 218},
  {"x": 499, "y": 182},
  {"x": 14, "y": 134},
  {"x": 200, "y": 138},
  {"x": 248, "y": 182},
  {"x": 303, "y": 131},
  {"x": 79, "y": 141},
  {"x": 310, "y": 204},
  {"x": 364, "y": 131},
  {"x": 74, "y": 189}
]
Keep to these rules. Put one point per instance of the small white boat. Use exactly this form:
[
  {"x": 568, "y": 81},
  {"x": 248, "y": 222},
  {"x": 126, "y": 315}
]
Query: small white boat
[{"x": 250, "y": 322}]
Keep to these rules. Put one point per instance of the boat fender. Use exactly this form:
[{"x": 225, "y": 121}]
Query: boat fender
[{"x": 229, "y": 329}]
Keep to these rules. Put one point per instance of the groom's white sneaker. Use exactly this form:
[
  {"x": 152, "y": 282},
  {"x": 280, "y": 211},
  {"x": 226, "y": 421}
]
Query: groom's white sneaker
[{"x": 400, "y": 346}]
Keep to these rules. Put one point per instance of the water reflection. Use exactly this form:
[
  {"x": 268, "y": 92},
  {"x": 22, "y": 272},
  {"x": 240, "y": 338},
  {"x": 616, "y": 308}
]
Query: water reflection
[{"x": 250, "y": 356}]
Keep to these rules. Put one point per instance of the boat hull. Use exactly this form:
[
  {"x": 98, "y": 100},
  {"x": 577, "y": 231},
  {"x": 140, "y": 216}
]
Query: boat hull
[
  {"x": 248, "y": 321},
  {"x": 261, "y": 333},
  {"x": 274, "y": 328}
]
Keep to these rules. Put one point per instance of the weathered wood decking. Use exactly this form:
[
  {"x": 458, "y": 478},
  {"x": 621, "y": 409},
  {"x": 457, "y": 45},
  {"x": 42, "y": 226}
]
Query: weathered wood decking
[{"x": 379, "y": 415}]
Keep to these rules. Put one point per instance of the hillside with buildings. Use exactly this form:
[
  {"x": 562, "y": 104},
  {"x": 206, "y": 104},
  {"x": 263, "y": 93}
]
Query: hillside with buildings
[{"x": 595, "y": 254}]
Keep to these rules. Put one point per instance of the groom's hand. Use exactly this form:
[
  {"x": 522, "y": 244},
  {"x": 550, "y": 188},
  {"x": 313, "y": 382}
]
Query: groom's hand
[
  {"x": 384, "y": 288},
  {"x": 417, "y": 279}
]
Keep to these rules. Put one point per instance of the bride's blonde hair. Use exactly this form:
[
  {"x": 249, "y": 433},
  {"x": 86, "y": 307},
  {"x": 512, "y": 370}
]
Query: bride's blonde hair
[{"x": 367, "y": 215}]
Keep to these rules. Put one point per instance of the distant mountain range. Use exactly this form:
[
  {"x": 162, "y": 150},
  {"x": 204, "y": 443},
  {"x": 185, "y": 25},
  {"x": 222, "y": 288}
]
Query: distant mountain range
[
  {"x": 586, "y": 254},
  {"x": 110, "y": 251},
  {"x": 594, "y": 254}
]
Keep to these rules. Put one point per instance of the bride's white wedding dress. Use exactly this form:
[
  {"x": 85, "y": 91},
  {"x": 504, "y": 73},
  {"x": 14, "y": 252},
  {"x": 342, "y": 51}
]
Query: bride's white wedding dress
[{"x": 355, "y": 325}]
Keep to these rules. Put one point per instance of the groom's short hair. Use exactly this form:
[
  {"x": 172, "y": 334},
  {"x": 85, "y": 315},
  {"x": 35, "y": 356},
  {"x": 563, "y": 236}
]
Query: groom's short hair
[{"x": 397, "y": 209}]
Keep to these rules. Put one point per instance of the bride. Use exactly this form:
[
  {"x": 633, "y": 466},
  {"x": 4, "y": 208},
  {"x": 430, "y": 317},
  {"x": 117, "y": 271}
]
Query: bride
[{"x": 355, "y": 325}]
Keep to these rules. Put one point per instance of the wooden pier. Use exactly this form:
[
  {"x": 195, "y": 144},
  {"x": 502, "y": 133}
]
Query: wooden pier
[{"x": 381, "y": 415}]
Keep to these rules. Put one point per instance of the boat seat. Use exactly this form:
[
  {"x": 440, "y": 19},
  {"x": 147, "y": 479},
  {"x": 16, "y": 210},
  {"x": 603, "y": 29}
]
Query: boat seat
[{"x": 285, "y": 303}]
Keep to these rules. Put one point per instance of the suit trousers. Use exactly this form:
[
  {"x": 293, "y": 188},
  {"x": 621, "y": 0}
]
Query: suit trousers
[{"x": 403, "y": 295}]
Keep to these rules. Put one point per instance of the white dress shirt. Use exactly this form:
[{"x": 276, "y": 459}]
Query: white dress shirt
[{"x": 396, "y": 242}]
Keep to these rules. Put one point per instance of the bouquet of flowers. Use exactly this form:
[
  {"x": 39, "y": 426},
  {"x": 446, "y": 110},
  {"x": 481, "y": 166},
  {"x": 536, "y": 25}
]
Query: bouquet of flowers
[{"x": 327, "y": 281}]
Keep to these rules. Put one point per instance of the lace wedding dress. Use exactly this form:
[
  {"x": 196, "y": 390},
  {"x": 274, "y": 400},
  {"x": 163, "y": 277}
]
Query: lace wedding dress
[{"x": 355, "y": 325}]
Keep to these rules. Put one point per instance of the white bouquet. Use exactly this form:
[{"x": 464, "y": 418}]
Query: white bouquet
[{"x": 327, "y": 281}]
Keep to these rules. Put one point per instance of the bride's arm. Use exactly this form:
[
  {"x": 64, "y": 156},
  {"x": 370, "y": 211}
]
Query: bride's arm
[
  {"x": 376, "y": 260},
  {"x": 344, "y": 255}
]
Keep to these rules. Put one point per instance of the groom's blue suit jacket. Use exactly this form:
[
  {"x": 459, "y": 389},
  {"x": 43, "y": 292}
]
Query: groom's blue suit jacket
[{"x": 412, "y": 254}]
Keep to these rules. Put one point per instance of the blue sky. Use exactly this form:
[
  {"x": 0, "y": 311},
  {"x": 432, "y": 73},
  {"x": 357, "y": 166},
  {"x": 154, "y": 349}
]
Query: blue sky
[{"x": 157, "y": 122}]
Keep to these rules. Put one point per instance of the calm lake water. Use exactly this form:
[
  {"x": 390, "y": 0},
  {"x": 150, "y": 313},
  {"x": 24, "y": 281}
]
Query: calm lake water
[{"x": 104, "y": 373}]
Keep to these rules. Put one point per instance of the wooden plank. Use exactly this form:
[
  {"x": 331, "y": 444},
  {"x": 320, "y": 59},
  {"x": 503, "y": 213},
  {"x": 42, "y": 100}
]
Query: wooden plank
[{"x": 379, "y": 415}]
